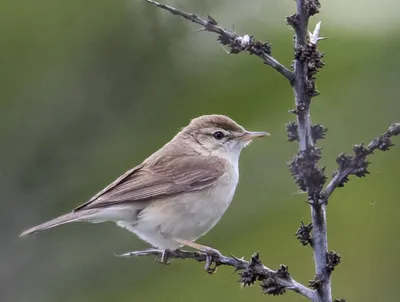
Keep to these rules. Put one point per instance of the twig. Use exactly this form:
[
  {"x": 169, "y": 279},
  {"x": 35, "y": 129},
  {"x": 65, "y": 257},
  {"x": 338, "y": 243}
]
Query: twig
[
  {"x": 358, "y": 164},
  {"x": 235, "y": 42},
  {"x": 272, "y": 281}
]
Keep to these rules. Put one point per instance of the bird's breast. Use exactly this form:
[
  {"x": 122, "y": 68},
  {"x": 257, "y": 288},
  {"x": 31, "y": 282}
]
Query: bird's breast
[
  {"x": 189, "y": 215},
  {"x": 205, "y": 208}
]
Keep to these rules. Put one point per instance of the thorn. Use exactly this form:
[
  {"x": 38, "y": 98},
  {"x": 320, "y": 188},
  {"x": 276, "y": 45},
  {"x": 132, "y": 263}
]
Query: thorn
[
  {"x": 211, "y": 20},
  {"x": 199, "y": 30},
  {"x": 118, "y": 255},
  {"x": 314, "y": 35},
  {"x": 323, "y": 38},
  {"x": 283, "y": 272},
  {"x": 300, "y": 192},
  {"x": 228, "y": 52},
  {"x": 123, "y": 255},
  {"x": 236, "y": 258}
]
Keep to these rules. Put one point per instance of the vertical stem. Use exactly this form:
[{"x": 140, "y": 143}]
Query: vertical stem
[
  {"x": 306, "y": 144},
  {"x": 302, "y": 97},
  {"x": 320, "y": 246}
]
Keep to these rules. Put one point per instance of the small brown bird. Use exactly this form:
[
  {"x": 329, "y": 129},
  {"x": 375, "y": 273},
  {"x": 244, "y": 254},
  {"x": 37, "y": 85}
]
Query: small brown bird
[{"x": 177, "y": 194}]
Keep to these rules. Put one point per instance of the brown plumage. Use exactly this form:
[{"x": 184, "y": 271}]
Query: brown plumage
[
  {"x": 156, "y": 179},
  {"x": 214, "y": 120},
  {"x": 171, "y": 186}
]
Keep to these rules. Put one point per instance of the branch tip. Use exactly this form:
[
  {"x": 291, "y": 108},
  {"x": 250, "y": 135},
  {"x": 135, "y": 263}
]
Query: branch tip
[
  {"x": 357, "y": 164},
  {"x": 233, "y": 41}
]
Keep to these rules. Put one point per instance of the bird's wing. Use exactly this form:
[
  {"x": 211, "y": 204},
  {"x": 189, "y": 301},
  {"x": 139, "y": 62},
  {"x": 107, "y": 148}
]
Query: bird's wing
[{"x": 162, "y": 179}]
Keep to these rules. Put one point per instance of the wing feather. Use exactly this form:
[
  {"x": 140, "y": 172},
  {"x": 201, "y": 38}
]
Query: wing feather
[{"x": 149, "y": 182}]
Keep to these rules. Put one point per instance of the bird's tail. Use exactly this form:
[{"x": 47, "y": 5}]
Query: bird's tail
[{"x": 67, "y": 218}]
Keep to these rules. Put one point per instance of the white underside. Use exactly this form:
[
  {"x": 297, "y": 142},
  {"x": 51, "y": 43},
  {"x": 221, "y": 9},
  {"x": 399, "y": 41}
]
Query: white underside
[{"x": 187, "y": 216}]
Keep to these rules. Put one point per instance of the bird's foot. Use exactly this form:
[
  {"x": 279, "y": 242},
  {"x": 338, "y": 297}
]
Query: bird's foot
[
  {"x": 162, "y": 256},
  {"x": 212, "y": 255},
  {"x": 165, "y": 257}
]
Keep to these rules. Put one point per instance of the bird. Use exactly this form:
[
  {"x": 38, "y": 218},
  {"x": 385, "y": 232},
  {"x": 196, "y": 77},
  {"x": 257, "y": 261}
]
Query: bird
[{"x": 177, "y": 194}]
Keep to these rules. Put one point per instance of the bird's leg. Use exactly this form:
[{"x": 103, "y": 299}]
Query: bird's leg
[
  {"x": 150, "y": 251},
  {"x": 162, "y": 256},
  {"x": 165, "y": 257},
  {"x": 212, "y": 255}
]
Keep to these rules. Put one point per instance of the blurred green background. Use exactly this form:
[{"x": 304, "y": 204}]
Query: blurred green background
[{"x": 91, "y": 88}]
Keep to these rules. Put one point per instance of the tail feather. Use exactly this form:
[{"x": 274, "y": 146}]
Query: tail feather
[{"x": 67, "y": 218}]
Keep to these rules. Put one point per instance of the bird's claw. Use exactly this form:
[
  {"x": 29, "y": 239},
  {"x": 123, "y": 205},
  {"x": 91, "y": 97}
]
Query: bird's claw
[
  {"x": 212, "y": 256},
  {"x": 165, "y": 257}
]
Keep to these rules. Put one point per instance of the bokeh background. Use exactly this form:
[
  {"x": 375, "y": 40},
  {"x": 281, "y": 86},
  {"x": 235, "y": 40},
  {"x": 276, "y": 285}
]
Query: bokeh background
[{"x": 91, "y": 88}]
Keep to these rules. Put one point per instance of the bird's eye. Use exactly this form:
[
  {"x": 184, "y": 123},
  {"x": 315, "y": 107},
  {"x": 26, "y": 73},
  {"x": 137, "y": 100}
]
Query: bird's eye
[{"x": 218, "y": 135}]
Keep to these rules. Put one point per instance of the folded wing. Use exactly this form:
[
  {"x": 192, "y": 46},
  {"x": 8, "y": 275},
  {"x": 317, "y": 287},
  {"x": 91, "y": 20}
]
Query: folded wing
[{"x": 148, "y": 182}]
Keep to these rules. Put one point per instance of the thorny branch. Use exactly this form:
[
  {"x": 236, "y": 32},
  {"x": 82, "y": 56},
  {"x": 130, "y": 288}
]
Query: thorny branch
[
  {"x": 232, "y": 40},
  {"x": 273, "y": 282},
  {"x": 304, "y": 167},
  {"x": 348, "y": 165},
  {"x": 358, "y": 164}
]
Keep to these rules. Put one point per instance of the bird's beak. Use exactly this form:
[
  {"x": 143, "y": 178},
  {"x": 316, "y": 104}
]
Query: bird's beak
[{"x": 248, "y": 135}]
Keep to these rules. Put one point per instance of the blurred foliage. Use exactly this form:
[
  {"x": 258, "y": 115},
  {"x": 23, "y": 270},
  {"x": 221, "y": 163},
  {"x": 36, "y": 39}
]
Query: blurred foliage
[{"x": 89, "y": 89}]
